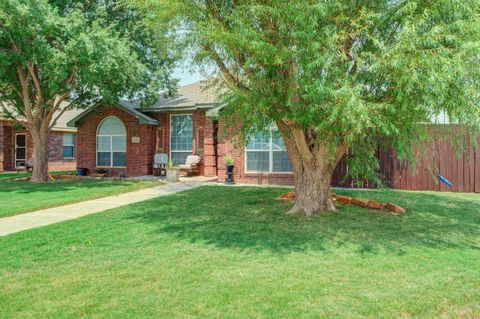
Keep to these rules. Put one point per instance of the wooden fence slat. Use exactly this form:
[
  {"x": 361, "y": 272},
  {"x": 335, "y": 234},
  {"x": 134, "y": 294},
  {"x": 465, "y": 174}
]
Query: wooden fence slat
[
  {"x": 460, "y": 181},
  {"x": 437, "y": 158},
  {"x": 477, "y": 170},
  {"x": 472, "y": 166},
  {"x": 468, "y": 164}
]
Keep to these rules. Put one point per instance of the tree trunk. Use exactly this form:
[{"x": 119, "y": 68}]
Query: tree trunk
[
  {"x": 312, "y": 189},
  {"x": 40, "y": 156},
  {"x": 313, "y": 163}
]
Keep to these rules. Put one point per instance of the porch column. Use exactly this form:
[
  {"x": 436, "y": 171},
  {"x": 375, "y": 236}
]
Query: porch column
[
  {"x": 2, "y": 146},
  {"x": 210, "y": 164}
]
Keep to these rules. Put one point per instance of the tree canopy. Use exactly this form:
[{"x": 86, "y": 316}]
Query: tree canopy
[
  {"x": 153, "y": 48},
  {"x": 53, "y": 56},
  {"x": 337, "y": 76}
]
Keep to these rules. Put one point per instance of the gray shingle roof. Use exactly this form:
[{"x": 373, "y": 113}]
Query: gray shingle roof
[
  {"x": 191, "y": 96},
  {"x": 61, "y": 124},
  {"x": 142, "y": 118}
]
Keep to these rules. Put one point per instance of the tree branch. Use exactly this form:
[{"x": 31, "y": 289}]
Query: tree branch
[
  {"x": 56, "y": 107},
  {"x": 54, "y": 122},
  {"x": 14, "y": 89},
  {"x": 36, "y": 83},
  {"x": 229, "y": 78},
  {"x": 25, "y": 95},
  {"x": 340, "y": 152},
  {"x": 68, "y": 81},
  {"x": 301, "y": 143},
  {"x": 13, "y": 116}
]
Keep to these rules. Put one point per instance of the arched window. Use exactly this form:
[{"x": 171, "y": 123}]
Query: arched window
[{"x": 111, "y": 143}]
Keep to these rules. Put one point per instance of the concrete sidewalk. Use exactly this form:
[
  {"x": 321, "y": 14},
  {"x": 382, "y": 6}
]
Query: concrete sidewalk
[{"x": 13, "y": 224}]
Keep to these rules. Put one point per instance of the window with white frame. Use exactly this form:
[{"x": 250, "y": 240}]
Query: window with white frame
[
  {"x": 266, "y": 152},
  {"x": 68, "y": 145},
  {"x": 111, "y": 143},
  {"x": 181, "y": 137}
]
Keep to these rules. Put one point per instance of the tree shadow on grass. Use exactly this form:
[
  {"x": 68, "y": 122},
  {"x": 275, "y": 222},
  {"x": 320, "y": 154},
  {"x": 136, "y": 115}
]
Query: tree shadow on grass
[{"x": 250, "y": 218}]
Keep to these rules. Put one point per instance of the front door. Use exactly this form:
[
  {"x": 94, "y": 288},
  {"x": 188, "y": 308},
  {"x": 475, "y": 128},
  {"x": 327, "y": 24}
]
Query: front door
[{"x": 20, "y": 149}]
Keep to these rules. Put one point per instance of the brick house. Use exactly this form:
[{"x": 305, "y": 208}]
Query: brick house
[
  {"x": 16, "y": 145},
  {"x": 125, "y": 138}
]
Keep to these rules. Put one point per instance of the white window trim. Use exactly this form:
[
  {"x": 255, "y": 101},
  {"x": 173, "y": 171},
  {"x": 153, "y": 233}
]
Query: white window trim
[
  {"x": 111, "y": 144},
  {"x": 69, "y": 145},
  {"x": 170, "y": 139},
  {"x": 270, "y": 158}
]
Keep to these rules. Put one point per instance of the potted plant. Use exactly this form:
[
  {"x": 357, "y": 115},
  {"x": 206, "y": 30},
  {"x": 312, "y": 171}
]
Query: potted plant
[
  {"x": 82, "y": 171},
  {"x": 228, "y": 160},
  {"x": 173, "y": 172}
]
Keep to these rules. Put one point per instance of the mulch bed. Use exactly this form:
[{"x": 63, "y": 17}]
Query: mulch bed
[{"x": 360, "y": 202}]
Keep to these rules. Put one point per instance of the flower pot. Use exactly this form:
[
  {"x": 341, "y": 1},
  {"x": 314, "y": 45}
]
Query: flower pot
[
  {"x": 81, "y": 171},
  {"x": 229, "y": 175},
  {"x": 173, "y": 175}
]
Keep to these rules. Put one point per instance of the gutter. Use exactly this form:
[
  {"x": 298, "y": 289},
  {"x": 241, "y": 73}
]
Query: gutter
[{"x": 178, "y": 108}]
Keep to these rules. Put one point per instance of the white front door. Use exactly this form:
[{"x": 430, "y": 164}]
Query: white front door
[{"x": 20, "y": 149}]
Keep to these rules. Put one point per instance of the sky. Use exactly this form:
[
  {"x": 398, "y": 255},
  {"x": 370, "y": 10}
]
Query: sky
[{"x": 186, "y": 75}]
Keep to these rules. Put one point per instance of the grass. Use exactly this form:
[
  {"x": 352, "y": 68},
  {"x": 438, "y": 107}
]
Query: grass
[
  {"x": 219, "y": 252},
  {"x": 18, "y": 197}
]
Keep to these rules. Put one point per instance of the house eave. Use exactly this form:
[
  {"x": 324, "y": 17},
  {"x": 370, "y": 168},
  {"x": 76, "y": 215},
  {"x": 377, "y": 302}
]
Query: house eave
[
  {"x": 142, "y": 118},
  {"x": 193, "y": 107},
  {"x": 54, "y": 129},
  {"x": 64, "y": 129},
  {"x": 215, "y": 111}
]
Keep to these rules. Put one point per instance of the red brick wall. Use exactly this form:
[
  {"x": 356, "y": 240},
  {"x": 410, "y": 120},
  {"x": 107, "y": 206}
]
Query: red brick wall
[
  {"x": 139, "y": 155},
  {"x": 2, "y": 142},
  {"x": 8, "y": 150},
  {"x": 6, "y": 142},
  {"x": 55, "y": 149},
  {"x": 55, "y": 153},
  {"x": 210, "y": 161},
  {"x": 228, "y": 145},
  {"x": 199, "y": 133}
]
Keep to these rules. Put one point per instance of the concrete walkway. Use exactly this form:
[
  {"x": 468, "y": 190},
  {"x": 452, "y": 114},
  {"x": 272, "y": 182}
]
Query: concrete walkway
[{"x": 13, "y": 224}]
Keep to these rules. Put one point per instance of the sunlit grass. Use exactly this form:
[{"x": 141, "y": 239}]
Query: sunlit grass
[
  {"x": 23, "y": 196},
  {"x": 220, "y": 252}
]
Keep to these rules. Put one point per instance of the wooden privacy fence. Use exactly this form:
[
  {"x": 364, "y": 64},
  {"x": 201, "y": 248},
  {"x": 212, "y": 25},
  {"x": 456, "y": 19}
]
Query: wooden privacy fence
[{"x": 434, "y": 158}]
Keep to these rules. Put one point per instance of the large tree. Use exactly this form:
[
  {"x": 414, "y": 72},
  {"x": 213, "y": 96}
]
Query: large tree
[
  {"x": 55, "y": 55},
  {"x": 153, "y": 48},
  {"x": 335, "y": 76}
]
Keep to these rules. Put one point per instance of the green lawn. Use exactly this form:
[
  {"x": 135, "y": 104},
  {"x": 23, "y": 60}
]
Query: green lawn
[
  {"x": 19, "y": 197},
  {"x": 219, "y": 252}
]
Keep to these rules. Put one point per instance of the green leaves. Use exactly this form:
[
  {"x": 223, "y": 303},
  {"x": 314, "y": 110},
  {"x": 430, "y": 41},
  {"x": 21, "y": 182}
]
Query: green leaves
[
  {"x": 91, "y": 53},
  {"x": 362, "y": 73}
]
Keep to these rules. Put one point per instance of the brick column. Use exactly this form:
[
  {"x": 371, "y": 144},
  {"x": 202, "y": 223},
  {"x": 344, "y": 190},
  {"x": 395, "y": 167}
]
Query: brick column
[
  {"x": 2, "y": 146},
  {"x": 210, "y": 168}
]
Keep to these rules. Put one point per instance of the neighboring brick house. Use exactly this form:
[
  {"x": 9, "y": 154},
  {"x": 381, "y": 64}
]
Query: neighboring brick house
[
  {"x": 16, "y": 144},
  {"x": 125, "y": 138}
]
